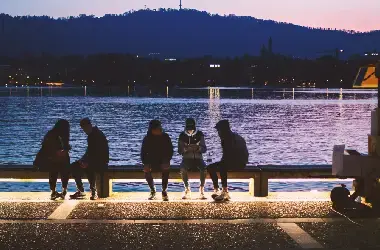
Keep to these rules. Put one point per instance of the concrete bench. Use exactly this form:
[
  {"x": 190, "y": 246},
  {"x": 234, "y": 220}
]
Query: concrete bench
[{"x": 258, "y": 175}]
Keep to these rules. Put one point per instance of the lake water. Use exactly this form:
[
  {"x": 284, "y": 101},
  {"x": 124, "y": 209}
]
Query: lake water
[
  {"x": 280, "y": 126},
  {"x": 278, "y": 129}
]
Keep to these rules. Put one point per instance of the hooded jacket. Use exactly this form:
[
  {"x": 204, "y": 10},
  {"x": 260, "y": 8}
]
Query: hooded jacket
[
  {"x": 187, "y": 145},
  {"x": 156, "y": 149},
  {"x": 235, "y": 150},
  {"x": 97, "y": 154}
]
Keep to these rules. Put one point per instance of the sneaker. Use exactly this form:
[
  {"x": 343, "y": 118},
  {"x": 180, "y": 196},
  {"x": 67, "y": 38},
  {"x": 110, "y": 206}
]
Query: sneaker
[
  {"x": 224, "y": 196},
  {"x": 94, "y": 195},
  {"x": 216, "y": 193},
  {"x": 186, "y": 194},
  {"x": 152, "y": 195},
  {"x": 63, "y": 194},
  {"x": 78, "y": 195},
  {"x": 54, "y": 195},
  {"x": 165, "y": 196},
  {"x": 202, "y": 193}
]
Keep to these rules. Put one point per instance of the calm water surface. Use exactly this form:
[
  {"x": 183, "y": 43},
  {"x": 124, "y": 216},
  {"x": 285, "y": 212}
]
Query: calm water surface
[{"x": 280, "y": 127}]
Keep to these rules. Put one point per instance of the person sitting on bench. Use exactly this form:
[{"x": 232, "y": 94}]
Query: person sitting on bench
[
  {"x": 93, "y": 162},
  {"x": 54, "y": 157},
  {"x": 235, "y": 156},
  {"x": 191, "y": 145},
  {"x": 156, "y": 153}
]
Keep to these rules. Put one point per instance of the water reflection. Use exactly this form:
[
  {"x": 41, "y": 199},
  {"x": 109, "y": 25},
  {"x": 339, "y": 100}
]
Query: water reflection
[{"x": 277, "y": 130}]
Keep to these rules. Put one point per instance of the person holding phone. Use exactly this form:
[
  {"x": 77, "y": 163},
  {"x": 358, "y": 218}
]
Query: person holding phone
[{"x": 192, "y": 146}]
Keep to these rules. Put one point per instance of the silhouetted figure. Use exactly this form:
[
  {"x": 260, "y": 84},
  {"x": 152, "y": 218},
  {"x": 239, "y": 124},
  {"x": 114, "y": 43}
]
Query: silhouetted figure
[
  {"x": 235, "y": 156},
  {"x": 340, "y": 198},
  {"x": 54, "y": 157},
  {"x": 156, "y": 153},
  {"x": 94, "y": 161},
  {"x": 191, "y": 145}
]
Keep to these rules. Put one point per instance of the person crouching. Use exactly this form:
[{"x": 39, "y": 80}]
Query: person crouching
[
  {"x": 156, "y": 153},
  {"x": 191, "y": 145}
]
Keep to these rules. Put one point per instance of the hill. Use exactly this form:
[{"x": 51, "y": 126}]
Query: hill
[{"x": 172, "y": 33}]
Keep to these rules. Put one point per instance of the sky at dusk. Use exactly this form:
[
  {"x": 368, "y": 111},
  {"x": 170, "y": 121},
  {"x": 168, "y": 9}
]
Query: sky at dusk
[{"x": 357, "y": 15}]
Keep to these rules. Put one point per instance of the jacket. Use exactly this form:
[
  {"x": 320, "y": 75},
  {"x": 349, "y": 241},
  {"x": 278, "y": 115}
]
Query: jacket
[
  {"x": 97, "y": 153},
  {"x": 48, "y": 157},
  {"x": 186, "y": 143},
  {"x": 156, "y": 149},
  {"x": 235, "y": 150}
]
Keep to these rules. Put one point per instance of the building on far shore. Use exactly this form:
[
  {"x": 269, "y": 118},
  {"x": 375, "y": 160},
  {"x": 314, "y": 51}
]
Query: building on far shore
[{"x": 55, "y": 84}]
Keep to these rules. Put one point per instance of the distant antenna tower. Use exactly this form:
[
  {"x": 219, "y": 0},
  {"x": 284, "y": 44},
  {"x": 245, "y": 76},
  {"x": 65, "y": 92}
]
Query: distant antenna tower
[{"x": 180, "y": 4}]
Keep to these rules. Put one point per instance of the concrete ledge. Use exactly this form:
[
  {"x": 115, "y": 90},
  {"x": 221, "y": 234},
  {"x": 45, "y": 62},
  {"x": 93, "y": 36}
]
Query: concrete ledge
[{"x": 258, "y": 175}]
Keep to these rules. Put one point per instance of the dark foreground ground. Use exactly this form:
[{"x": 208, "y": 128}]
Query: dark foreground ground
[{"x": 110, "y": 224}]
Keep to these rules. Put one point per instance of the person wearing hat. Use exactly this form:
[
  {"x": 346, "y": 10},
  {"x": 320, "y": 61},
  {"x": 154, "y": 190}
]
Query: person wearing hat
[
  {"x": 94, "y": 161},
  {"x": 191, "y": 145},
  {"x": 235, "y": 156},
  {"x": 156, "y": 153}
]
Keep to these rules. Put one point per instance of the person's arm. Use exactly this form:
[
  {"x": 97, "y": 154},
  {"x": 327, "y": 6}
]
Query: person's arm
[
  {"x": 169, "y": 149},
  {"x": 143, "y": 152},
  {"x": 86, "y": 156},
  {"x": 202, "y": 145},
  {"x": 181, "y": 146}
]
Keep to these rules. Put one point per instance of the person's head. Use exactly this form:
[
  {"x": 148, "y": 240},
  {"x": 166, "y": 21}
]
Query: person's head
[
  {"x": 155, "y": 127},
  {"x": 223, "y": 128},
  {"x": 62, "y": 129},
  {"x": 86, "y": 125},
  {"x": 190, "y": 125}
]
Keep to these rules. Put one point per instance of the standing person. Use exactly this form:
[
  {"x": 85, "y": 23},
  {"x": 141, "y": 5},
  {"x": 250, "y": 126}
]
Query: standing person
[
  {"x": 94, "y": 161},
  {"x": 235, "y": 156},
  {"x": 156, "y": 153},
  {"x": 54, "y": 157},
  {"x": 191, "y": 145}
]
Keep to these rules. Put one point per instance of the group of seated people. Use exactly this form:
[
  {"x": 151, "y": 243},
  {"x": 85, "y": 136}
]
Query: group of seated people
[{"x": 156, "y": 154}]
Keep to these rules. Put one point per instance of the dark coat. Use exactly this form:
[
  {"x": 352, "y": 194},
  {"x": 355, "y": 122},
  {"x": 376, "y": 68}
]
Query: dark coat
[
  {"x": 156, "y": 149},
  {"x": 47, "y": 158},
  {"x": 97, "y": 154},
  {"x": 235, "y": 150}
]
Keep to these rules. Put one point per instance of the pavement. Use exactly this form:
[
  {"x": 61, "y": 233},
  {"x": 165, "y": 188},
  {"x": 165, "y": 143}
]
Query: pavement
[{"x": 129, "y": 221}]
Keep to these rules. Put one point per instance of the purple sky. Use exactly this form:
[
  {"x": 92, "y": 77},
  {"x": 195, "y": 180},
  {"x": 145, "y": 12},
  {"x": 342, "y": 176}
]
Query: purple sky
[{"x": 361, "y": 15}]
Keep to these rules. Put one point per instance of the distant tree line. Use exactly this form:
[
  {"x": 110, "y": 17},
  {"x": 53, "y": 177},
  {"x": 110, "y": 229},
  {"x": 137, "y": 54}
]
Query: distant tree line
[{"x": 133, "y": 70}]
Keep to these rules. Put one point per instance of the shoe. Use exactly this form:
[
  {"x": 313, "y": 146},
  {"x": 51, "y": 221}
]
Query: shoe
[
  {"x": 94, "y": 195},
  {"x": 202, "y": 193},
  {"x": 152, "y": 195},
  {"x": 63, "y": 194},
  {"x": 78, "y": 195},
  {"x": 216, "y": 193},
  {"x": 186, "y": 194},
  {"x": 165, "y": 196},
  {"x": 54, "y": 195},
  {"x": 224, "y": 196}
]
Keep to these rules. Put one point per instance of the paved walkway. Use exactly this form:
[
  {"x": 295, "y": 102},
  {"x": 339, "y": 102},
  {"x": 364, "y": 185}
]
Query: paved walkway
[{"x": 128, "y": 221}]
